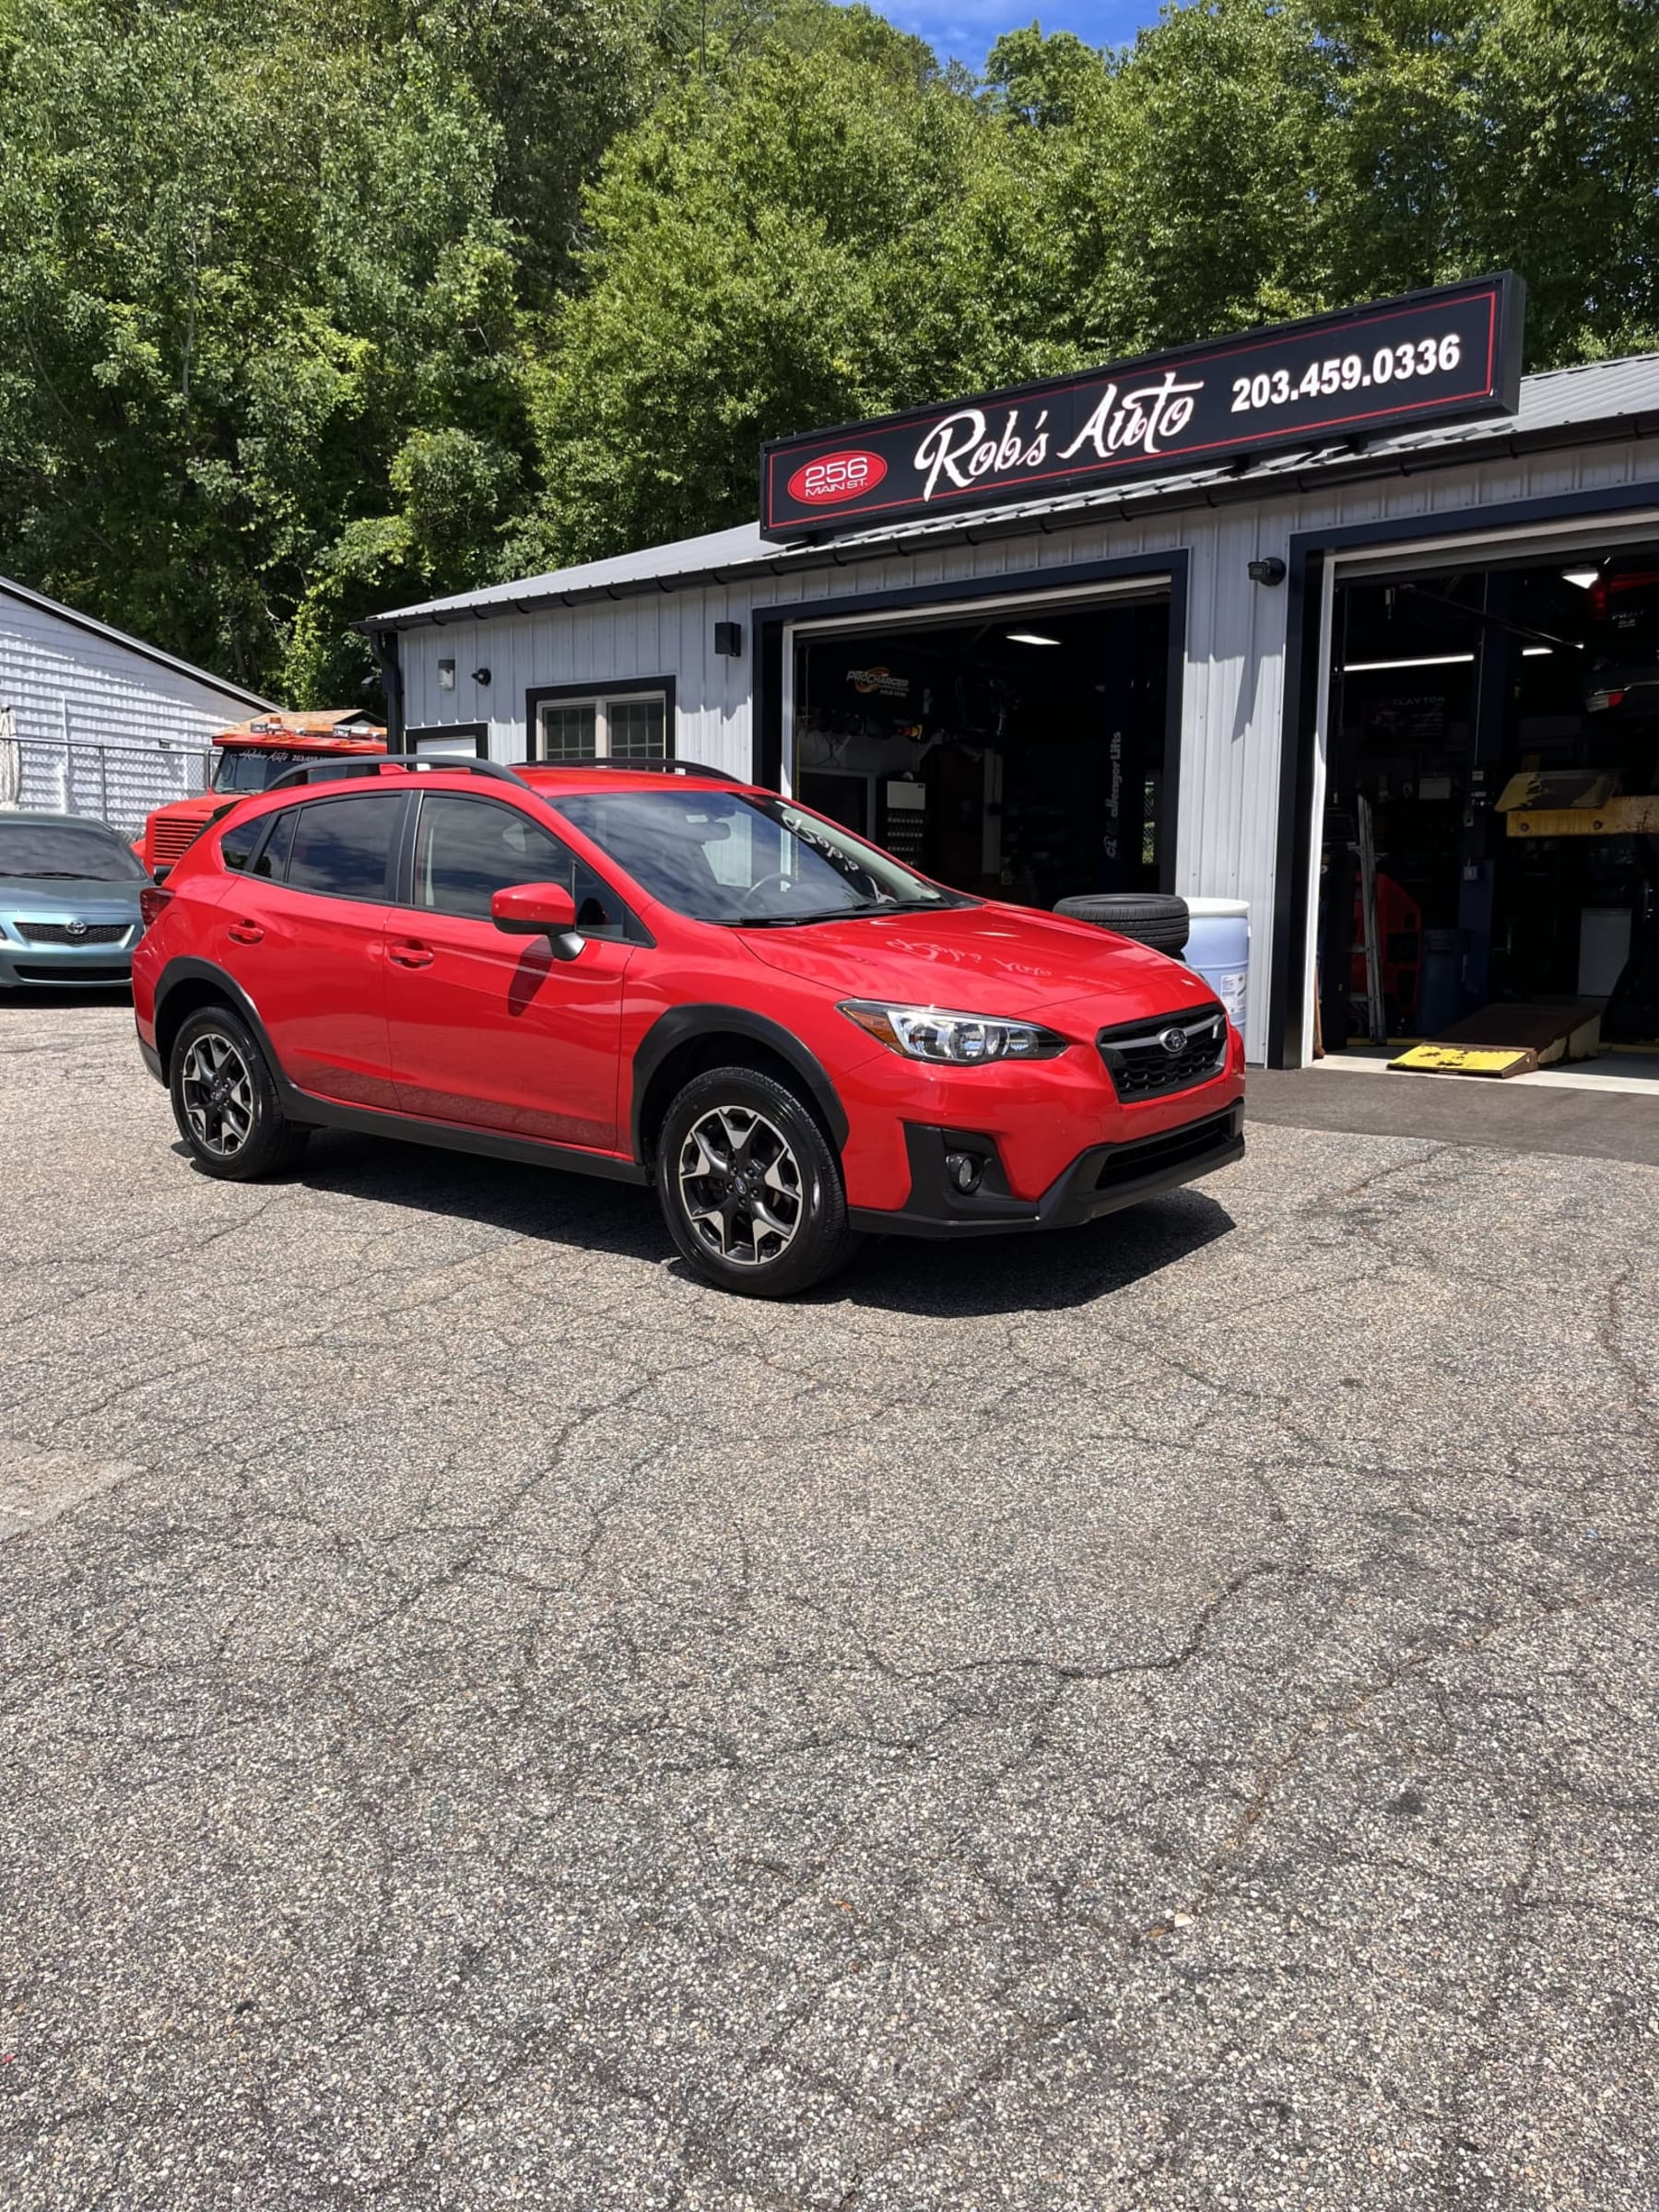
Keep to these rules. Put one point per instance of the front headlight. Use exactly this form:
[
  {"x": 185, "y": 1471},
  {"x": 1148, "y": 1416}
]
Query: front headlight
[{"x": 953, "y": 1040}]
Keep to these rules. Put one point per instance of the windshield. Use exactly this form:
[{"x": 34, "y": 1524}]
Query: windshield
[
  {"x": 239, "y": 768},
  {"x": 735, "y": 858},
  {"x": 71, "y": 850}
]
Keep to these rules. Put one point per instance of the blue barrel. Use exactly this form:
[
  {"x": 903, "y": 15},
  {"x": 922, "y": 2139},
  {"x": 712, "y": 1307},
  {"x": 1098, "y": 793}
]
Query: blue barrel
[{"x": 1217, "y": 948}]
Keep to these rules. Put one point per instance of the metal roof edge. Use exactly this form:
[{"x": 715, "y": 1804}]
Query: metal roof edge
[
  {"x": 11, "y": 590},
  {"x": 1173, "y": 495}
]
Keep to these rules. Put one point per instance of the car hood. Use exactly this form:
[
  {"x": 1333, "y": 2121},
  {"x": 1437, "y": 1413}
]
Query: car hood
[
  {"x": 47, "y": 897},
  {"x": 983, "y": 960}
]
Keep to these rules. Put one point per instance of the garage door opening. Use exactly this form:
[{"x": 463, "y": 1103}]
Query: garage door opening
[
  {"x": 1019, "y": 754},
  {"x": 1489, "y": 876}
]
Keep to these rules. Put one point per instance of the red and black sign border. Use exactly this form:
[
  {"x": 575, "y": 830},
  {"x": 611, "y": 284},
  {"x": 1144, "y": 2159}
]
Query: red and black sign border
[{"x": 1498, "y": 393}]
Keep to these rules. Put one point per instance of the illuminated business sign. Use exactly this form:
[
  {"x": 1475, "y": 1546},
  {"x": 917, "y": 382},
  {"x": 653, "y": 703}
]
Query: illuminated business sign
[{"x": 1442, "y": 356}]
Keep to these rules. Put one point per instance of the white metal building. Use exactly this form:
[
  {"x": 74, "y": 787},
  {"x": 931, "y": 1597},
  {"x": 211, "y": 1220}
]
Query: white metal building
[
  {"x": 93, "y": 721},
  {"x": 701, "y": 649}
]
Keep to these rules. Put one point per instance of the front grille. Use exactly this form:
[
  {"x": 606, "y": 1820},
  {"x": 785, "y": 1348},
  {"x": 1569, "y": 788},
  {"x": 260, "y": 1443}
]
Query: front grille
[
  {"x": 171, "y": 834},
  {"x": 1176, "y": 1149},
  {"x": 70, "y": 975},
  {"x": 1142, "y": 1066},
  {"x": 60, "y": 933}
]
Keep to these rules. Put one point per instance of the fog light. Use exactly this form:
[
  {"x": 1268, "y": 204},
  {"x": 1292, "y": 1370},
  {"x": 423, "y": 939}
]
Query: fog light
[{"x": 965, "y": 1171}]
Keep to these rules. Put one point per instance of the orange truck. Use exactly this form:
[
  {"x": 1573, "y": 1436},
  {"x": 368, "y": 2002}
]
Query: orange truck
[{"x": 250, "y": 758}]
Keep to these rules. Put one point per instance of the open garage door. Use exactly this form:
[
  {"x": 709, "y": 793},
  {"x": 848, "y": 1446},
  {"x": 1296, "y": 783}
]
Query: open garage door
[
  {"x": 1489, "y": 876},
  {"x": 1021, "y": 752}
]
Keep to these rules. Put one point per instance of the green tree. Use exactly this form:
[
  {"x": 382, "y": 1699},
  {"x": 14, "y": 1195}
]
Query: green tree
[{"x": 256, "y": 294}]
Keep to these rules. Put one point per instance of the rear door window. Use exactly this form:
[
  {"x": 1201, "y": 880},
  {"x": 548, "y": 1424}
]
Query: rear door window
[{"x": 342, "y": 847}]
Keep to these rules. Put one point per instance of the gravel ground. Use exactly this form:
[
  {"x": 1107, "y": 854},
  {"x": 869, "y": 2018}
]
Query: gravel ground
[{"x": 1161, "y": 1717}]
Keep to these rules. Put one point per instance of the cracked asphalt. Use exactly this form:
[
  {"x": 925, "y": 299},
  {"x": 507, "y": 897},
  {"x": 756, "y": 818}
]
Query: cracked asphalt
[{"x": 1161, "y": 1717}]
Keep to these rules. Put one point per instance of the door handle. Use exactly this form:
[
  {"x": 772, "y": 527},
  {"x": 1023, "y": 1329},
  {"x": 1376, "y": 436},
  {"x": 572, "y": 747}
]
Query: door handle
[
  {"x": 246, "y": 932},
  {"x": 408, "y": 954}
]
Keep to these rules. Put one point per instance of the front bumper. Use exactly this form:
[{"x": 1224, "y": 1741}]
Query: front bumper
[
  {"x": 65, "y": 967},
  {"x": 1038, "y": 1119},
  {"x": 1103, "y": 1180}
]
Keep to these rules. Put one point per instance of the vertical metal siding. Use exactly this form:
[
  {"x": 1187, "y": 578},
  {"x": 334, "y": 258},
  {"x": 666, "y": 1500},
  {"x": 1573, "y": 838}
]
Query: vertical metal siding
[
  {"x": 136, "y": 729},
  {"x": 1234, "y": 689}
]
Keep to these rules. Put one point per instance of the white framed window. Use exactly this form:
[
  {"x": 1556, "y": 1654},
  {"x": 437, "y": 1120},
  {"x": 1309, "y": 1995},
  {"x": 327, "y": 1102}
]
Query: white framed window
[{"x": 625, "y": 723}]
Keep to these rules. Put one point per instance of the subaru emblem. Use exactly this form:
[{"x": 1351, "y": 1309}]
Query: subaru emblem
[{"x": 1173, "y": 1041}]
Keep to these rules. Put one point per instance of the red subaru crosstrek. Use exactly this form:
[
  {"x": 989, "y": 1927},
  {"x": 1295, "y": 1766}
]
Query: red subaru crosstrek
[{"x": 665, "y": 975}]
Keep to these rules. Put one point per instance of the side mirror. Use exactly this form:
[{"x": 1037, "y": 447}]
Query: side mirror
[{"x": 538, "y": 909}]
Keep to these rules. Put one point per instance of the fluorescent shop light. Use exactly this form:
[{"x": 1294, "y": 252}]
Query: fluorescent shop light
[
  {"x": 1029, "y": 637},
  {"x": 1532, "y": 652},
  {"x": 1583, "y": 578},
  {"x": 1427, "y": 660}
]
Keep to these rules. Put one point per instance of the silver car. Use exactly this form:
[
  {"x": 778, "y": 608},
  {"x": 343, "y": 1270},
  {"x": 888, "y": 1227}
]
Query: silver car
[{"x": 69, "y": 912}]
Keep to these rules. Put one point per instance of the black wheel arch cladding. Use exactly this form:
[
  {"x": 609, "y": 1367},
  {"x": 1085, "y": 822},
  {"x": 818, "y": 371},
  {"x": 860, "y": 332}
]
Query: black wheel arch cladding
[
  {"x": 188, "y": 984},
  {"x": 708, "y": 1024}
]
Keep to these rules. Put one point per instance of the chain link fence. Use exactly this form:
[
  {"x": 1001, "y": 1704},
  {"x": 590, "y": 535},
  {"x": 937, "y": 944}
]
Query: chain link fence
[{"x": 120, "y": 785}]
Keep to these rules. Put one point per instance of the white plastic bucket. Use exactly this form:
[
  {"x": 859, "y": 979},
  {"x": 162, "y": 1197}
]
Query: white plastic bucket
[{"x": 1217, "y": 948}]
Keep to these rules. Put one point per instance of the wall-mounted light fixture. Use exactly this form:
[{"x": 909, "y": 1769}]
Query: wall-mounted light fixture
[
  {"x": 446, "y": 676},
  {"x": 728, "y": 639},
  {"x": 1269, "y": 571},
  {"x": 480, "y": 675}
]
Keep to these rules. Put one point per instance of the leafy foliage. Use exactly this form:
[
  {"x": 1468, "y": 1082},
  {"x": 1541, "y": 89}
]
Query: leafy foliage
[{"x": 322, "y": 305}]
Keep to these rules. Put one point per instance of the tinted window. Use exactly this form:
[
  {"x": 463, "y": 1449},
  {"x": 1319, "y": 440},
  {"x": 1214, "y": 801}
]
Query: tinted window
[
  {"x": 273, "y": 858},
  {"x": 468, "y": 849},
  {"x": 238, "y": 843},
  {"x": 341, "y": 847},
  {"x": 67, "y": 849}
]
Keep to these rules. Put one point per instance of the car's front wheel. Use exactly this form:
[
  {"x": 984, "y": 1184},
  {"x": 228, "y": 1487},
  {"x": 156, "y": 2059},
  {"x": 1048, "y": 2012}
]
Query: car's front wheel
[
  {"x": 750, "y": 1186},
  {"x": 225, "y": 1100}
]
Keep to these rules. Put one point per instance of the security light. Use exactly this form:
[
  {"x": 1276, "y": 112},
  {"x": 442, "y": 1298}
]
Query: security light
[
  {"x": 480, "y": 675},
  {"x": 1583, "y": 578},
  {"x": 1029, "y": 637}
]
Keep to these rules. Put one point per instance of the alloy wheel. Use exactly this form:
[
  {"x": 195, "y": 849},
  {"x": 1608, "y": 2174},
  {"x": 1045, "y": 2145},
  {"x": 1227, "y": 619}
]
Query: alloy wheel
[
  {"x": 741, "y": 1186},
  {"x": 217, "y": 1091}
]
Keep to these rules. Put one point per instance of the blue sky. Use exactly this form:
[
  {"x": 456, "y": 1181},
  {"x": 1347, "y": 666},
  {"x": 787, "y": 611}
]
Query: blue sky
[{"x": 965, "y": 29}]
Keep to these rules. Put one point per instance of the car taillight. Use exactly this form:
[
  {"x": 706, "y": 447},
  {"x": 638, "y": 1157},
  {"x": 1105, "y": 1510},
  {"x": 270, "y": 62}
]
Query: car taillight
[{"x": 152, "y": 900}]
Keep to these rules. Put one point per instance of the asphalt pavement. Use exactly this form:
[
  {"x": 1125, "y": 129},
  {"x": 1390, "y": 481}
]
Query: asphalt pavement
[{"x": 1163, "y": 1716}]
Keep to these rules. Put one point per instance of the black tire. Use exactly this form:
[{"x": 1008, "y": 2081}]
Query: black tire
[
  {"x": 776, "y": 1218},
  {"x": 1149, "y": 917},
  {"x": 224, "y": 1099}
]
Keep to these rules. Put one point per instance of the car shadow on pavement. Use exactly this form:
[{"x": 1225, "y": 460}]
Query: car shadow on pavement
[
  {"x": 981, "y": 1276},
  {"x": 43, "y": 998},
  {"x": 1042, "y": 1272}
]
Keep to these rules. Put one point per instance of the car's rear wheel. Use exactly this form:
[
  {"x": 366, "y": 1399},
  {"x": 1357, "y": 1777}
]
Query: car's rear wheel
[
  {"x": 750, "y": 1186},
  {"x": 225, "y": 1100}
]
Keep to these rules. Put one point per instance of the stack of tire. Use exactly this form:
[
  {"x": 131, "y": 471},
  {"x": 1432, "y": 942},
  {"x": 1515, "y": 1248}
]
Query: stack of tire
[{"x": 1147, "y": 916}]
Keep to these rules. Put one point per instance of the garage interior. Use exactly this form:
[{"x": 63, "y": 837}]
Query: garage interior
[
  {"x": 1490, "y": 868},
  {"x": 1017, "y": 752}
]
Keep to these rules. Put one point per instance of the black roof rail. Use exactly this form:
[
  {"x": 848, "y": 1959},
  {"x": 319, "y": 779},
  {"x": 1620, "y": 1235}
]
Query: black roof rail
[
  {"x": 646, "y": 767},
  {"x": 374, "y": 764}
]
